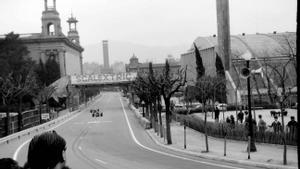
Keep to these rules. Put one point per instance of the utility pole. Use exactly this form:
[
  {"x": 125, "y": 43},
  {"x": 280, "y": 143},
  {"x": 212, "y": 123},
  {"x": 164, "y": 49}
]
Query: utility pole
[{"x": 252, "y": 144}]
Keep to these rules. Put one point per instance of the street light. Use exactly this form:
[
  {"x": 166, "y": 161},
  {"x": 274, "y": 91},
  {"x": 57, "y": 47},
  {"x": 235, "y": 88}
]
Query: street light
[{"x": 246, "y": 73}]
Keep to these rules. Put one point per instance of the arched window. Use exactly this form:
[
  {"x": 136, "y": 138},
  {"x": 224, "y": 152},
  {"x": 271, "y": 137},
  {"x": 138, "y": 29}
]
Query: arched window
[
  {"x": 51, "y": 30},
  {"x": 72, "y": 26}
]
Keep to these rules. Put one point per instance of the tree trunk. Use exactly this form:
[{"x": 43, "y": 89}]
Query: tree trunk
[
  {"x": 151, "y": 116},
  {"x": 147, "y": 111},
  {"x": 168, "y": 121},
  {"x": 205, "y": 128},
  {"x": 20, "y": 115},
  {"x": 160, "y": 119},
  {"x": 155, "y": 116}
]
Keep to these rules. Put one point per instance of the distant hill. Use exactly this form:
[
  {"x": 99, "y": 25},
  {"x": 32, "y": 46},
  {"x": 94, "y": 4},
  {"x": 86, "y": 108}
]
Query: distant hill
[{"x": 122, "y": 51}]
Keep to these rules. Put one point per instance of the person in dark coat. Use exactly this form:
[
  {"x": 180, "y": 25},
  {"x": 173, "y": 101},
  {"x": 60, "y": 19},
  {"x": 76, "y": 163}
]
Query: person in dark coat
[
  {"x": 217, "y": 113},
  {"x": 240, "y": 116},
  {"x": 292, "y": 125},
  {"x": 276, "y": 125}
]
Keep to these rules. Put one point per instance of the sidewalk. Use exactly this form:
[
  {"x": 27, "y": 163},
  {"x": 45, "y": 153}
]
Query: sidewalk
[{"x": 267, "y": 155}]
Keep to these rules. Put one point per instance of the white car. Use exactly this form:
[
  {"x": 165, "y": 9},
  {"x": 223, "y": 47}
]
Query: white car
[{"x": 222, "y": 106}]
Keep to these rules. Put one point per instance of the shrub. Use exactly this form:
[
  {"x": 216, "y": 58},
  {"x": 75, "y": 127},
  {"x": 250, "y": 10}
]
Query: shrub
[{"x": 234, "y": 132}]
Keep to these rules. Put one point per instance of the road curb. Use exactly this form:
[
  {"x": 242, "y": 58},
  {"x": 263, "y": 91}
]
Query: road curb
[{"x": 223, "y": 159}]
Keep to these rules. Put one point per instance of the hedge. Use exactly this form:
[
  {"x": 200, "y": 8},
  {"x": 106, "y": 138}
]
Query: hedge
[{"x": 234, "y": 132}]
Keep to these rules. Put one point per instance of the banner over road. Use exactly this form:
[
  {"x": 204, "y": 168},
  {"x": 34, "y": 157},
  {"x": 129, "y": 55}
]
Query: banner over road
[{"x": 102, "y": 78}]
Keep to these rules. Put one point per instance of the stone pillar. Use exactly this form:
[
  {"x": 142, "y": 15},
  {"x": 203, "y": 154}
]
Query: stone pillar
[
  {"x": 62, "y": 62},
  {"x": 45, "y": 3},
  {"x": 224, "y": 32},
  {"x": 81, "y": 65}
]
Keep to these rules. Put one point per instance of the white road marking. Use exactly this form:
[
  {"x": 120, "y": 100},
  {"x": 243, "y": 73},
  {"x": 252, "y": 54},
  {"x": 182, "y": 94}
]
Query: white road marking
[
  {"x": 166, "y": 154},
  {"x": 15, "y": 156},
  {"x": 96, "y": 122},
  {"x": 103, "y": 162},
  {"x": 18, "y": 149},
  {"x": 79, "y": 148}
]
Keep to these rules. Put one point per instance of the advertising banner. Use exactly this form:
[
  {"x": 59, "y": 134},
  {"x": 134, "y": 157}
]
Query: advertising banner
[{"x": 102, "y": 78}]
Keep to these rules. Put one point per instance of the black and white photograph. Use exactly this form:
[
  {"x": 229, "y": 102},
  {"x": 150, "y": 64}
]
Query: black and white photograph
[{"x": 149, "y": 84}]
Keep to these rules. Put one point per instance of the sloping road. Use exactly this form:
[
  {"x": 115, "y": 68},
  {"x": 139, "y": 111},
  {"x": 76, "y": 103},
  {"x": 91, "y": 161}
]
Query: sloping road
[{"x": 114, "y": 141}]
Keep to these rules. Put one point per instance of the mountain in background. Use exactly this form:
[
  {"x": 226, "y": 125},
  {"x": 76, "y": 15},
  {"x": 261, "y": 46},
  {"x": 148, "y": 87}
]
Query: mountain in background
[{"x": 122, "y": 51}]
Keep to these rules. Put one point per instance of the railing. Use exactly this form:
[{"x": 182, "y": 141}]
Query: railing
[{"x": 29, "y": 118}]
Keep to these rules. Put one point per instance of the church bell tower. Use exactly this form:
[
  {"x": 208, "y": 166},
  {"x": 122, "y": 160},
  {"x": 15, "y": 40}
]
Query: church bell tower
[
  {"x": 50, "y": 20},
  {"x": 73, "y": 33}
]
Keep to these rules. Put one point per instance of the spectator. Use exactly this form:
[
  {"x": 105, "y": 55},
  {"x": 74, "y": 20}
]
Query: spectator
[
  {"x": 240, "y": 116},
  {"x": 292, "y": 125},
  {"x": 276, "y": 125},
  {"x": 228, "y": 120},
  {"x": 217, "y": 113},
  {"x": 8, "y": 163},
  {"x": 247, "y": 122},
  {"x": 46, "y": 151},
  {"x": 232, "y": 122},
  {"x": 262, "y": 126}
]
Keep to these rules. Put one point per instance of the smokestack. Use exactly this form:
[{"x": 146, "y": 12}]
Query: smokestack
[
  {"x": 105, "y": 54},
  {"x": 224, "y": 32}
]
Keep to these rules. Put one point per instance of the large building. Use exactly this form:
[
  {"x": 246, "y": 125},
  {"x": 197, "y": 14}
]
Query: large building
[
  {"x": 266, "y": 49},
  {"x": 51, "y": 43},
  {"x": 135, "y": 66}
]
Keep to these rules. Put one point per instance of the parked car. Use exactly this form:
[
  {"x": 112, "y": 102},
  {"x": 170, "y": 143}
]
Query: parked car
[{"x": 222, "y": 106}]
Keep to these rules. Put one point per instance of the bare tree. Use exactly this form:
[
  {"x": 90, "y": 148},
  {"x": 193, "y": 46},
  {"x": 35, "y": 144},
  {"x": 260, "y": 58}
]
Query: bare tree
[
  {"x": 169, "y": 83},
  {"x": 277, "y": 73}
]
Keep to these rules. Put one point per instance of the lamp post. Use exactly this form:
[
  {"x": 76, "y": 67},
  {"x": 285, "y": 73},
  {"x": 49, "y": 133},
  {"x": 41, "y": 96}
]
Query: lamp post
[
  {"x": 252, "y": 143},
  {"x": 246, "y": 73}
]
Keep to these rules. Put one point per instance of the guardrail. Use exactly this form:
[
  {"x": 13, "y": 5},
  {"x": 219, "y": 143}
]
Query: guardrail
[{"x": 35, "y": 129}]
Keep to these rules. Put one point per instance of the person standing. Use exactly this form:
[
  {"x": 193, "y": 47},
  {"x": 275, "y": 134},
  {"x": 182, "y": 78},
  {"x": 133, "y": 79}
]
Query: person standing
[
  {"x": 292, "y": 127},
  {"x": 276, "y": 125},
  {"x": 240, "y": 116},
  {"x": 217, "y": 113},
  {"x": 262, "y": 126}
]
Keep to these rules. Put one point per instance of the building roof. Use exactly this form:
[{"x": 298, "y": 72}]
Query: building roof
[
  {"x": 39, "y": 38},
  {"x": 260, "y": 45}
]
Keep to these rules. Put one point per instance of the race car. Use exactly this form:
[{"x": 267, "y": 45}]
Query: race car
[{"x": 96, "y": 113}]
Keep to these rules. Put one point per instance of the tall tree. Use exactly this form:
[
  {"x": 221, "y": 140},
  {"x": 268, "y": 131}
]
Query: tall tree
[
  {"x": 52, "y": 71},
  {"x": 17, "y": 78},
  {"x": 169, "y": 83},
  {"x": 41, "y": 73},
  {"x": 199, "y": 64},
  {"x": 154, "y": 94}
]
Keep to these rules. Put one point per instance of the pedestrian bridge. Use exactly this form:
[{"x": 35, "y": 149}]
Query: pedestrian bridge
[{"x": 103, "y": 79}]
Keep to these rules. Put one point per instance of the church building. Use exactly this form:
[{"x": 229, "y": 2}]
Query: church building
[{"x": 51, "y": 43}]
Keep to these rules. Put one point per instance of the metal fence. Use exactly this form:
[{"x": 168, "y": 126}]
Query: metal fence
[{"x": 23, "y": 120}]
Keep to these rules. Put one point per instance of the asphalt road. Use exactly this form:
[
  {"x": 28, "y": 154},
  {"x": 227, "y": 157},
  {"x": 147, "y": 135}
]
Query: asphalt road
[{"x": 114, "y": 141}]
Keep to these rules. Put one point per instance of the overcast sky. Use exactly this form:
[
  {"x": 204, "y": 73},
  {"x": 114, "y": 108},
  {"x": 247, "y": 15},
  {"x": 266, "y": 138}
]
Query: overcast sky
[{"x": 150, "y": 22}]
